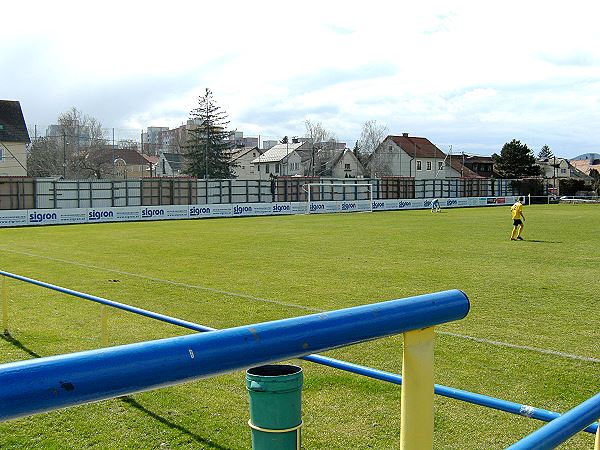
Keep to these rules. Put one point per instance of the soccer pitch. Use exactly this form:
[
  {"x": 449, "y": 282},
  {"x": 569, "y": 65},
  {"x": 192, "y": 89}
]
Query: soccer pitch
[{"x": 531, "y": 336}]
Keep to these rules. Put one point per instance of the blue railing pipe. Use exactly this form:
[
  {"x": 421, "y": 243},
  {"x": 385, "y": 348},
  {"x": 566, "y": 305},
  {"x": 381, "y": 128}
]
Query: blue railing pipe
[
  {"x": 561, "y": 429},
  {"x": 458, "y": 394},
  {"x": 103, "y": 301},
  {"x": 445, "y": 391},
  {"x": 45, "y": 384}
]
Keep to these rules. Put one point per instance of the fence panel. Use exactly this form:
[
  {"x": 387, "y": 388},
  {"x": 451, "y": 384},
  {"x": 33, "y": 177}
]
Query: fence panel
[
  {"x": 102, "y": 194},
  {"x": 393, "y": 187},
  {"x": 67, "y": 194},
  {"x": 184, "y": 191},
  {"x": 161, "y": 191},
  {"x": 240, "y": 191},
  {"x": 134, "y": 192},
  {"x": 17, "y": 193},
  {"x": 84, "y": 195},
  {"x": 126, "y": 192},
  {"x": 45, "y": 193}
]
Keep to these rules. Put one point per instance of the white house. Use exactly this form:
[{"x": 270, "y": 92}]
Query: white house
[
  {"x": 339, "y": 164},
  {"x": 14, "y": 139},
  {"x": 414, "y": 157},
  {"x": 555, "y": 170},
  {"x": 554, "y": 167},
  {"x": 280, "y": 160},
  {"x": 170, "y": 165},
  {"x": 242, "y": 158}
]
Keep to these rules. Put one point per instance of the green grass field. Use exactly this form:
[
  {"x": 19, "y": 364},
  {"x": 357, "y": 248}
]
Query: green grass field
[{"x": 542, "y": 292}]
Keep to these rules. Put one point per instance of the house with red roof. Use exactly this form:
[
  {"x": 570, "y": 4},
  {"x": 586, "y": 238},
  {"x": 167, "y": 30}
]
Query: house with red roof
[{"x": 415, "y": 157}]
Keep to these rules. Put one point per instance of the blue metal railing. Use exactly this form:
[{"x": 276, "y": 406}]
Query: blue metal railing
[
  {"x": 103, "y": 301},
  {"x": 458, "y": 394},
  {"x": 445, "y": 391},
  {"x": 561, "y": 429},
  {"x": 45, "y": 384}
]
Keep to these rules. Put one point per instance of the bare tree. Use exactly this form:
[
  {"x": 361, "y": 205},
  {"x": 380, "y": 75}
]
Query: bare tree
[
  {"x": 380, "y": 164},
  {"x": 81, "y": 146},
  {"x": 77, "y": 149},
  {"x": 320, "y": 140},
  {"x": 44, "y": 158},
  {"x": 371, "y": 136}
]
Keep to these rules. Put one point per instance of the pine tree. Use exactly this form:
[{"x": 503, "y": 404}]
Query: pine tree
[
  {"x": 207, "y": 147},
  {"x": 545, "y": 153},
  {"x": 516, "y": 160}
]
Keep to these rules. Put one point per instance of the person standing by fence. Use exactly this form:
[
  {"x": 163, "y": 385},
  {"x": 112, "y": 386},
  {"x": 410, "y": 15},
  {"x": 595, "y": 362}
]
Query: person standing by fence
[
  {"x": 518, "y": 218},
  {"x": 273, "y": 186}
]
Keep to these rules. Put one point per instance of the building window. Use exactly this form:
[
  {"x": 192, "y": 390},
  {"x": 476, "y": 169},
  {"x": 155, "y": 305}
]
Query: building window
[
  {"x": 266, "y": 168},
  {"x": 277, "y": 168},
  {"x": 562, "y": 171},
  {"x": 254, "y": 155},
  {"x": 428, "y": 165},
  {"x": 418, "y": 165},
  {"x": 346, "y": 166},
  {"x": 440, "y": 165},
  {"x": 1, "y": 154}
]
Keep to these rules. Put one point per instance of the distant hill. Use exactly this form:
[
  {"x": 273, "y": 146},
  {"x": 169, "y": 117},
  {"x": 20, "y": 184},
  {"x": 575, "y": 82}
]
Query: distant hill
[{"x": 587, "y": 157}]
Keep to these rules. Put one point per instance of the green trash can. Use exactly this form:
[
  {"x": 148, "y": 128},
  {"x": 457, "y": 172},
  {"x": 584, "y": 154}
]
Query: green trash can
[{"x": 275, "y": 406}]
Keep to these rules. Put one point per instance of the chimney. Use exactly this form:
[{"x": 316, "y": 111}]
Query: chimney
[{"x": 404, "y": 134}]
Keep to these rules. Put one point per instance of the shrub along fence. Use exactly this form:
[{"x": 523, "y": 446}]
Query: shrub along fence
[{"x": 40, "y": 193}]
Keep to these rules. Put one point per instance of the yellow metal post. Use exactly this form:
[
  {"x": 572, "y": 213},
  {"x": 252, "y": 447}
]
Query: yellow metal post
[
  {"x": 5, "y": 305},
  {"x": 416, "y": 423},
  {"x": 597, "y": 444},
  {"x": 104, "y": 325}
]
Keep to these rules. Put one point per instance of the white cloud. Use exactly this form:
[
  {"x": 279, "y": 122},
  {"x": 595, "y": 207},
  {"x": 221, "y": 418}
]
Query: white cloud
[{"x": 469, "y": 72}]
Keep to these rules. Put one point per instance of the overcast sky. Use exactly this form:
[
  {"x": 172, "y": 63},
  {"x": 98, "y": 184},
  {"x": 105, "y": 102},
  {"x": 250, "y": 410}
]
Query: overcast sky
[{"x": 467, "y": 74}]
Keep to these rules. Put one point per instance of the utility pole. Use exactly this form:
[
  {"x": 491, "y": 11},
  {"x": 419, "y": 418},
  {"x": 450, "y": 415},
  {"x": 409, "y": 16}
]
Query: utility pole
[
  {"x": 142, "y": 151},
  {"x": 113, "y": 153},
  {"x": 415, "y": 158},
  {"x": 64, "y": 153},
  {"x": 554, "y": 172},
  {"x": 207, "y": 124}
]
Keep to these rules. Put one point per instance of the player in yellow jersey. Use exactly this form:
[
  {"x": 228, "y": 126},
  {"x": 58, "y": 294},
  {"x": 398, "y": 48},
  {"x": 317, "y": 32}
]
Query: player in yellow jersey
[{"x": 518, "y": 218}]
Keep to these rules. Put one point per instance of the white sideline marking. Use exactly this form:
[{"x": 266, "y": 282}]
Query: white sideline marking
[
  {"x": 305, "y": 308},
  {"x": 521, "y": 347},
  {"x": 175, "y": 283}
]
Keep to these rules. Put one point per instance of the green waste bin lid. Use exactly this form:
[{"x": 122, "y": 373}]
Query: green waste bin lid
[{"x": 274, "y": 378}]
